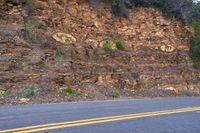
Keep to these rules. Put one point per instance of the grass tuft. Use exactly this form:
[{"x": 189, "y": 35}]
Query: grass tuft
[
  {"x": 70, "y": 91},
  {"x": 29, "y": 27},
  {"x": 115, "y": 94},
  {"x": 58, "y": 53},
  {"x": 25, "y": 65},
  {"x": 31, "y": 91},
  {"x": 40, "y": 24},
  {"x": 108, "y": 46},
  {"x": 120, "y": 44}
]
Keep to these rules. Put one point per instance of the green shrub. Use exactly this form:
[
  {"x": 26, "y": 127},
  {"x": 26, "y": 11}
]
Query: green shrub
[
  {"x": 40, "y": 24},
  {"x": 31, "y": 91},
  {"x": 195, "y": 43},
  {"x": 196, "y": 26},
  {"x": 115, "y": 94},
  {"x": 120, "y": 44},
  {"x": 108, "y": 46},
  {"x": 70, "y": 91},
  {"x": 195, "y": 52}
]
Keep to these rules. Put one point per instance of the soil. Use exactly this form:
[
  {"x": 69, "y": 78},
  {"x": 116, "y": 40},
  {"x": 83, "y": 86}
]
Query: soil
[{"x": 57, "y": 45}]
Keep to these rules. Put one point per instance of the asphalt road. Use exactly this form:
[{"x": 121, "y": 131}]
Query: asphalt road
[{"x": 169, "y": 115}]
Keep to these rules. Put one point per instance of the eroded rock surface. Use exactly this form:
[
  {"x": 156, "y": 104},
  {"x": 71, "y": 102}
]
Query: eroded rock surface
[{"x": 155, "y": 61}]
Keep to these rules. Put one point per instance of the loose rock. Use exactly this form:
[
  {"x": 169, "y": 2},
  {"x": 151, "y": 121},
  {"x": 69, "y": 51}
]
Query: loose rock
[
  {"x": 167, "y": 48},
  {"x": 64, "y": 38},
  {"x": 24, "y": 100}
]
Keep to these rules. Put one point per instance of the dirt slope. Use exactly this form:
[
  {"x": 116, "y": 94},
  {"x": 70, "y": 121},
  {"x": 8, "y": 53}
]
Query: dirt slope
[{"x": 55, "y": 45}]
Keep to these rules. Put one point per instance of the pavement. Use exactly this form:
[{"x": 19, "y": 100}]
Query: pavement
[{"x": 160, "y": 115}]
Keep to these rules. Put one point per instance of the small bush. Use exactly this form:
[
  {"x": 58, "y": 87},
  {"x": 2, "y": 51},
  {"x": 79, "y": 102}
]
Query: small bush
[
  {"x": 70, "y": 91},
  {"x": 31, "y": 91},
  {"x": 40, "y": 24},
  {"x": 108, "y": 46},
  {"x": 120, "y": 44},
  {"x": 115, "y": 94}
]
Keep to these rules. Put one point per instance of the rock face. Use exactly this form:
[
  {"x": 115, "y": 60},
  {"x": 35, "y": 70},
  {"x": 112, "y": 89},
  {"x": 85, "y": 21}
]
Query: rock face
[{"x": 68, "y": 51}]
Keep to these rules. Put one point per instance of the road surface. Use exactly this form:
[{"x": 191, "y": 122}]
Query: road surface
[{"x": 168, "y": 115}]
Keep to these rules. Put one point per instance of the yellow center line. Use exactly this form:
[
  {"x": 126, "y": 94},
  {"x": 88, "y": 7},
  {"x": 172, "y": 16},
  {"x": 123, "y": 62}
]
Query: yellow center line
[
  {"x": 96, "y": 120},
  {"x": 76, "y": 121}
]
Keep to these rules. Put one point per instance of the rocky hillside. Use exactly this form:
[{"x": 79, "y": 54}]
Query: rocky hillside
[{"x": 53, "y": 52}]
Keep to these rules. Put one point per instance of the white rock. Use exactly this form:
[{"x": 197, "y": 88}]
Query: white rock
[
  {"x": 24, "y": 100},
  {"x": 167, "y": 48},
  {"x": 64, "y": 38}
]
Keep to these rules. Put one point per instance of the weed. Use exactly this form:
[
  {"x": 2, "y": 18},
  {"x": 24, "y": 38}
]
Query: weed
[
  {"x": 40, "y": 24},
  {"x": 29, "y": 27},
  {"x": 108, "y": 46},
  {"x": 69, "y": 47},
  {"x": 70, "y": 91},
  {"x": 24, "y": 65},
  {"x": 31, "y": 91},
  {"x": 120, "y": 44},
  {"x": 58, "y": 54},
  {"x": 49, "y": 89},
  {"x": 7, "y": 93},
  {"x": 115, "y": 94}
]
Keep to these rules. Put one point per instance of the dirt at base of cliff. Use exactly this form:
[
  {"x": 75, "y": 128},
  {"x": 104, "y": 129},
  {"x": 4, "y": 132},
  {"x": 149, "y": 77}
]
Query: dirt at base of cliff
[{"x": 54, "y": 52}]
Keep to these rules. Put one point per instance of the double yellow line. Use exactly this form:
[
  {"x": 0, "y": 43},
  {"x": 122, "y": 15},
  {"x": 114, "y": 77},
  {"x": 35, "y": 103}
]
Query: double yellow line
[{"x": 59, "y": 125}]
